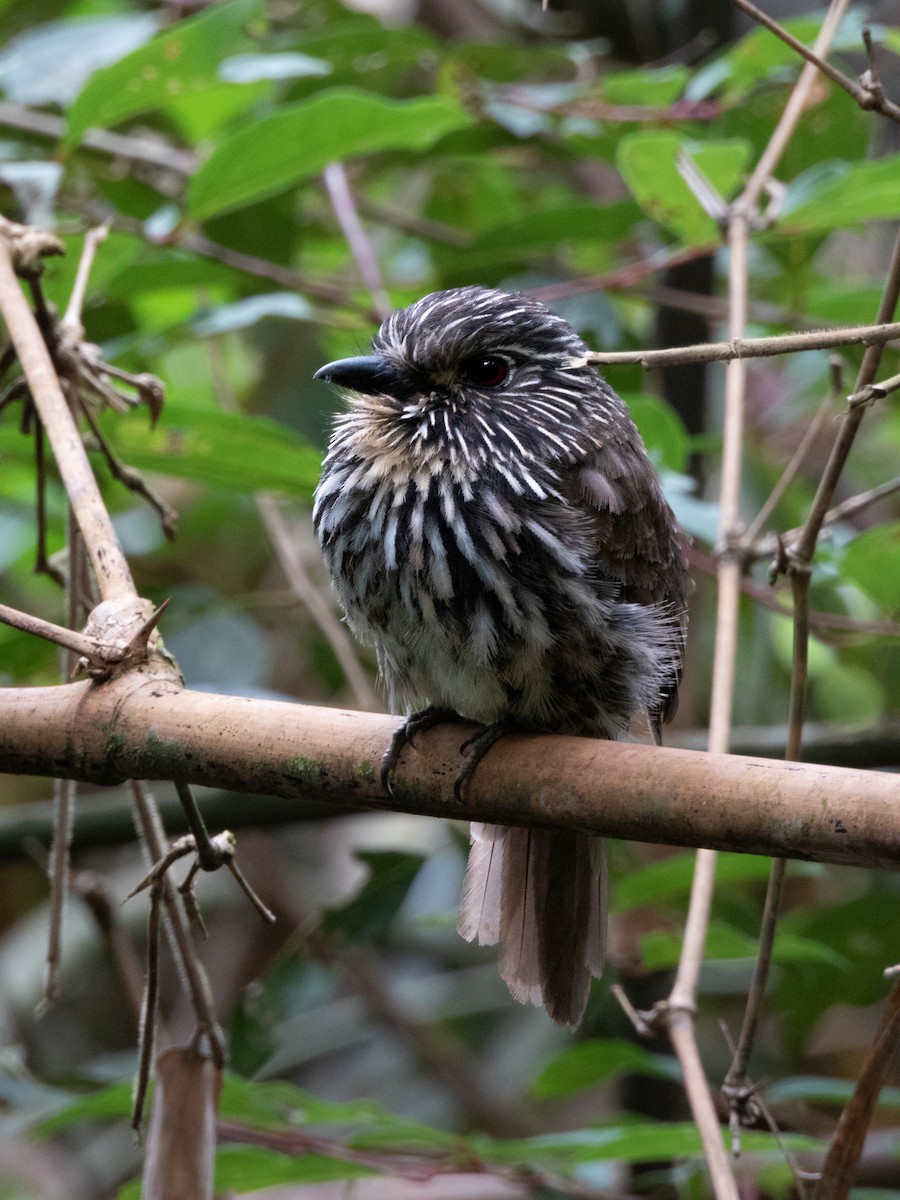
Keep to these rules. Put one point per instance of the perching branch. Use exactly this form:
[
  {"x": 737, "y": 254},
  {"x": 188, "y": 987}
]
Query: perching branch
[{"x": 143, "y": 725}]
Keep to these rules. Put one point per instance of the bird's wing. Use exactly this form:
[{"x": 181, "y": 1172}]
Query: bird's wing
[{"x": 637, "y": 538}]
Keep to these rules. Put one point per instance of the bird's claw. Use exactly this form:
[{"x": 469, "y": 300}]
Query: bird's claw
[
  {"x": 474, "y": 749},
  {"x": 415, "y": 723}
]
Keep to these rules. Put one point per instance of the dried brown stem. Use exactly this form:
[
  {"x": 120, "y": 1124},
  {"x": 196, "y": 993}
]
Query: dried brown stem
[
  {"x": 789, "y": 474},
  {"x": 58, "y": 871},
  {"x": 857, "y": 504},
  {"x": 765, "y": 597},
  {"x": 845, "y": 1151},
  {"x": 153, "y": 152}
]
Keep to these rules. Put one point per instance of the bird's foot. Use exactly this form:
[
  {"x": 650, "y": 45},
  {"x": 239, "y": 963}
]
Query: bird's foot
[
  {"x": 475, "y": 748},
  {"x": 416, "y": 722}
]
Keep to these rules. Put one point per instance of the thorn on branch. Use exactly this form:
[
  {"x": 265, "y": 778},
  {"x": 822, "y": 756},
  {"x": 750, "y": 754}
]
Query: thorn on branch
[{"x": 870, "y": 80}]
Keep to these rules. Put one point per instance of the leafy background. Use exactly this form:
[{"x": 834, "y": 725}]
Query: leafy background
[{"x": 512, "y": 158}]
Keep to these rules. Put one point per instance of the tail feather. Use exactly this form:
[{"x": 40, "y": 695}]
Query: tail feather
[
  {"x": 540, "y": 893},
  {"x": 479, "y": 906},
  {"x": 519, "y": 922}
]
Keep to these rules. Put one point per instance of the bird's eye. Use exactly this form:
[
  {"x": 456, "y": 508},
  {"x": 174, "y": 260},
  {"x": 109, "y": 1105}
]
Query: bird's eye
[{"x": 485, "y": 370}]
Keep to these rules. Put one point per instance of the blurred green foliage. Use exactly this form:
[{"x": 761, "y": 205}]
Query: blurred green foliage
[{"x": 226, "y": 274}]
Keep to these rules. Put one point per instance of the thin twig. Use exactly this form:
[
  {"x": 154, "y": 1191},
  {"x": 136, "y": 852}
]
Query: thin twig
[
  {"x": 153, "y": 840},
  {"x": 344, "y": 206},
  {"x": 147, "y": 1026},
  {"x": 844, "y": 1152},
  {"x": 58, "y": 870},
  {"x": 284, "y": 543},
  {"x": 741, "y": 348},
  {"x": 842, "y": 1161},
  {"x": 92, "y": 239},
  {"x": 804, "y": 548},
  {"x": 91, "y": 890},
  {"x": 867, "y": 97},
  {"x": 766, "y": 598},
  {"x": 797, "y": 460},
  {"x": 70, "y": 639},
  {"x": 682, "y": 1000},
  {"x": 101, "y": 542},
  {"x": 736, "y": 1079},
  {"x": 152, "y": 152},
  {"x": 857, "y": 504}
]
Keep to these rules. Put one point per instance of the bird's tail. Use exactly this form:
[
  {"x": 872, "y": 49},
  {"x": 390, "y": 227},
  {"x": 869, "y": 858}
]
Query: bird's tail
[{"x": 540, "y": 894}]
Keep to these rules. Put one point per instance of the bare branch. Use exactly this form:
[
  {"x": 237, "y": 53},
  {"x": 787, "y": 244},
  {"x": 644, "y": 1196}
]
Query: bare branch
[
  {"x": 682, "y": 1001},
  {"x": 741, "y": 348},
  {"x": 287, "y": 551},
  {"x": 868, "y": 95},
  {"x": 92, "y": 240},
  {"x": 101, "y": 542},
  {"x": 344, "y": 205},
  {"x": 153, "y": 152},
  {"x": 89, "y": 648}
]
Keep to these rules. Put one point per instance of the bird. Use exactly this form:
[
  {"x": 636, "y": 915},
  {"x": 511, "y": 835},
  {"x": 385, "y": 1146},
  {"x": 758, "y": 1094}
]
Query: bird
[{"x": 493, "y": 526}]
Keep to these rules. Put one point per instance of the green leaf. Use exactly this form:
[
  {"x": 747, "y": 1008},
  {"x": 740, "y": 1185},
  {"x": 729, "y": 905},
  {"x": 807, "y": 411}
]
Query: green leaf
[
  {"x": 251, "y": 1168},
  {"x": 661, "y": 428},
  {"x": 762, "y": 57},
  {"x": 648, "y": 164},
  {"x": 661, "y": 882},
  {"x": 51, "y": 63},
  {"x": 660, "y": 949},
  {"x": 517, "y": 240},
  {"x": 872, "y": 561},
  {"x": 371, "y": 914},
  {"x": 820, "y": 658},
  {"x": 642, "y": 1141},
  {"x": 228, "y": 449},
  {"x": 814, "y": 1089},
  {"x": 597, "y": 1061},
  {"x": 834, "y": 195},
  {"x": 113, "y": 1101},
  {"x": 849, "y": 694},
  {"x": 300, "y": 140},
  {"x": 363, "y": 1122},
  {"x": 182, "y": 61},
  {"x": 645, "y": 87}
]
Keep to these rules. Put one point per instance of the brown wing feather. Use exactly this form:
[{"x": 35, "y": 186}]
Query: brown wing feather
[{"x": 639, "y": 543}]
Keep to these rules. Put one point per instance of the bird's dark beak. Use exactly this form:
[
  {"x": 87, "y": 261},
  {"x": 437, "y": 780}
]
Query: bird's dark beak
[{"x": 370, "y": 375}]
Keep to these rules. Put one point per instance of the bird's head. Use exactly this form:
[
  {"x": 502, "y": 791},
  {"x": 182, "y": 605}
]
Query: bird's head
[{"x": 471, "y": 375}]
